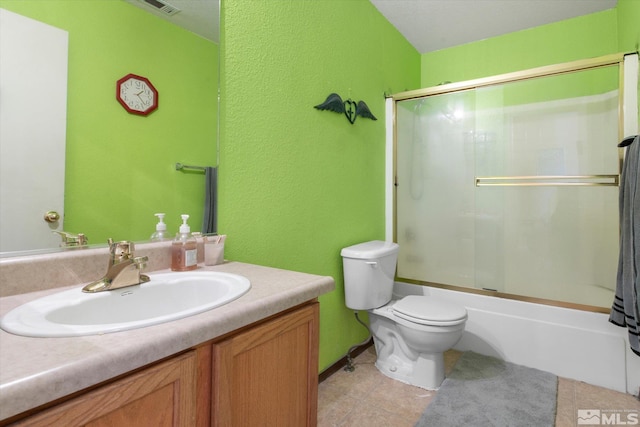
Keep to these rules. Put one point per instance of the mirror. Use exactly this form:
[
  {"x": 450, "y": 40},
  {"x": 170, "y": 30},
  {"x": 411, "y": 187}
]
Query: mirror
[{"x": 120, "y": 167}]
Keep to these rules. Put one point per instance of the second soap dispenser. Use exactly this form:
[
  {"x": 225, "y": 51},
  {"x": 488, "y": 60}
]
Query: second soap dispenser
[{"x": 184, "y": 250}]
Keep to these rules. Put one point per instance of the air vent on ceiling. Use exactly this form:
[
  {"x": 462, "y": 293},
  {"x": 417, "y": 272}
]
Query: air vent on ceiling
[{"x": 162, "y": 6}]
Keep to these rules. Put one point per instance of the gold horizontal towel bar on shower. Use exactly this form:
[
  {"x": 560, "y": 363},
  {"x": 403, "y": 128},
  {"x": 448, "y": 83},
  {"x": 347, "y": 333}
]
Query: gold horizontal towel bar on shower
[{"x": 547, "y": 180}]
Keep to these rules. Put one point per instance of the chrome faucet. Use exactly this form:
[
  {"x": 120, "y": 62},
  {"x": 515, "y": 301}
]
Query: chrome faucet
[{"x": 123, "y": 269}]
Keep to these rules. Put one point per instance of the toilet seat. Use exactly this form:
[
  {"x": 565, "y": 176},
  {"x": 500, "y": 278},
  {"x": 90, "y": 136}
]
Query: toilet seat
[{"x": 425, "y": 310}]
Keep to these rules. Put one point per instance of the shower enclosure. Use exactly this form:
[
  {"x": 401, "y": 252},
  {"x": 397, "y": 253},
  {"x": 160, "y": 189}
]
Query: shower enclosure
[{"x": 509, "y": 185}]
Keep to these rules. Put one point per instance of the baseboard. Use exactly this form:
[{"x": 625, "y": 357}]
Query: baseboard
[{"x": 332, "y": 369}]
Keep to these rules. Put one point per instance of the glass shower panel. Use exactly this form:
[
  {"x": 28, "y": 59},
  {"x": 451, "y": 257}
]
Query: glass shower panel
[
  {"x": 495, "y": 187},
  {"x": 557, "y": 243},
  {"x": 534, "y": 237},
  {"x": 537, "y": 132},
  {"x": 435, "y": 191}
]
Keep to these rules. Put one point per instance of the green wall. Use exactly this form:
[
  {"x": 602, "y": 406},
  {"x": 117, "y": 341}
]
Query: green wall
[
  {"x": 120, "y": 167},
  {"x": 578, "y": 38},
  {"x": 298, "y": 184},
  {"x": 610, "y": 31},
  {"x": 628, "y": 27}
]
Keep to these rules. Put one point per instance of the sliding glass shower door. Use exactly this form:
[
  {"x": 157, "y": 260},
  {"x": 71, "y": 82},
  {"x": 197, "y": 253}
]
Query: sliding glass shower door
[{"x": 512, "y": 187}]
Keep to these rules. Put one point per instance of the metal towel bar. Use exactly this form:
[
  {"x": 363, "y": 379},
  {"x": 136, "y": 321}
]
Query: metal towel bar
[
  {"x": 180, "y": 166},
  {"x": 548, "y": 180}
]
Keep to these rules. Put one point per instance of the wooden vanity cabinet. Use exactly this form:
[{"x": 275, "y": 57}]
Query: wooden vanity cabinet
[
  {"x": 268, "y": 375},
  {"x": 161, "y": 395},
  {"x": 264, "y": 374}
]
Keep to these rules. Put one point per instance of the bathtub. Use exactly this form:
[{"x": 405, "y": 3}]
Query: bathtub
[{"x": 570, "y": 343}]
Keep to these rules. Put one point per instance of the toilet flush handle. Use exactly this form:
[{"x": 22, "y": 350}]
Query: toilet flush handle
[{"x": 373, "y": 264}]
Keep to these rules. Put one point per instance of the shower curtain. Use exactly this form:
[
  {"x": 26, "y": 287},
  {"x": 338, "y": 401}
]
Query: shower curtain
[{"x": 625, "y": 311}]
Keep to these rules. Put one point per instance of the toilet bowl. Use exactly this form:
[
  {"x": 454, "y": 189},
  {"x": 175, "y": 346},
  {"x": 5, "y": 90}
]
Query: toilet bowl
[
  {"x": 410, "y": 334},
  {"x": 412, "y": 350}
]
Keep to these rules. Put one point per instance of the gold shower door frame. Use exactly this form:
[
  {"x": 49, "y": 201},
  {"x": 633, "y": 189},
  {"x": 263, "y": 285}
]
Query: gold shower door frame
[{"x": 588, "y": 180}]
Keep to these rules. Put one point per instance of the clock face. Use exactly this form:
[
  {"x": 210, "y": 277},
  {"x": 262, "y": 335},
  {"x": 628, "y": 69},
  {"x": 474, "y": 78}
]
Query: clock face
[{"x": 136, "y": 94}]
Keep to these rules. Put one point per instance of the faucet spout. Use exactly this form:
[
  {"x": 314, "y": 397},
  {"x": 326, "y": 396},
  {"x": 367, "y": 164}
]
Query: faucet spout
[
  {"x": 129, "y": 274},
  {"x": 124, "y": 269}
]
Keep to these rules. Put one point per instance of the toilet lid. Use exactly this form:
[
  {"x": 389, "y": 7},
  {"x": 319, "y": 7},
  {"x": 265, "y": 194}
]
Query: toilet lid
[{"x": 429, "y": 311}]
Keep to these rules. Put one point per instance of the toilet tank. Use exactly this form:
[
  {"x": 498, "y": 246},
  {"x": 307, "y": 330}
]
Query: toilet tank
[{"x": 369, "y": 270}]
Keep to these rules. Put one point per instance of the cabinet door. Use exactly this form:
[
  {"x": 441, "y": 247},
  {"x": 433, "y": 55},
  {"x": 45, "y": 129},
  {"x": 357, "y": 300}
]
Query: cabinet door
[
  {"x": 268, "y": 375},
  {"x": 161, "y": 395}
]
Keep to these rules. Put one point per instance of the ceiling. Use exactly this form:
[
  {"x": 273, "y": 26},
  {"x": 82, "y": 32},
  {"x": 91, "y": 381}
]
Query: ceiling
[
  {"x": 198, "y": 16},
  {"x": 427, "y": 24},
  {"x": 437, "y": 24}
]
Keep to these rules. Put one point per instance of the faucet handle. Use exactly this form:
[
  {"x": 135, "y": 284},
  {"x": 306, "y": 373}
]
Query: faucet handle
[
  {"x": 120, "y": 251},
  {"x": 140, "y": 261}
]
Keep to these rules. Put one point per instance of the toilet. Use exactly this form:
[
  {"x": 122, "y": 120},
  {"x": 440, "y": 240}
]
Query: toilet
[{"x": 410, "y": 334}]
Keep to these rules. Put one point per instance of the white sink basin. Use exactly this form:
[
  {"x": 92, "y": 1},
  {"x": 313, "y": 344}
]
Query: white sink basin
[{"x": 166, "y": 297}]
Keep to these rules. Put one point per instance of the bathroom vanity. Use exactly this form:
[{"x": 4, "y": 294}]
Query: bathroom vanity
[{"x": 249, "y": 362}]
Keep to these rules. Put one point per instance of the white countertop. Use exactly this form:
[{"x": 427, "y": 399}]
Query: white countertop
[{"x": 34, "y": 371}]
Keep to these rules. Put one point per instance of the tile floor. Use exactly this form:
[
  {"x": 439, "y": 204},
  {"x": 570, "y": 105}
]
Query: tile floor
[{"x": 365, "y": 397}]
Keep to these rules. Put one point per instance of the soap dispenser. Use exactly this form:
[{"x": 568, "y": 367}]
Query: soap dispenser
[
  {"x": 184, "y": 251},
  {"x": 161, "y": 229}
]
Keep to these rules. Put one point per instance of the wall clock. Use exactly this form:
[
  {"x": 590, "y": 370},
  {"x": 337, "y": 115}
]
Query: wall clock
[{"x": 137, "y": 94}]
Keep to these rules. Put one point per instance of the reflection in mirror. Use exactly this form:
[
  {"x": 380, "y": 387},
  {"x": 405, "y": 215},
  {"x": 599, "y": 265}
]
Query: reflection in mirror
[
  {"x": 120, "y": 167},
  {"x": 32, "y": 131}
]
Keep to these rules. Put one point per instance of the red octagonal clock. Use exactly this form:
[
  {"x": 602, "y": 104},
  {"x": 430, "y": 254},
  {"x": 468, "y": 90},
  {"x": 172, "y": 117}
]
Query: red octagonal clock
[{"x": 137, "y": 95}]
